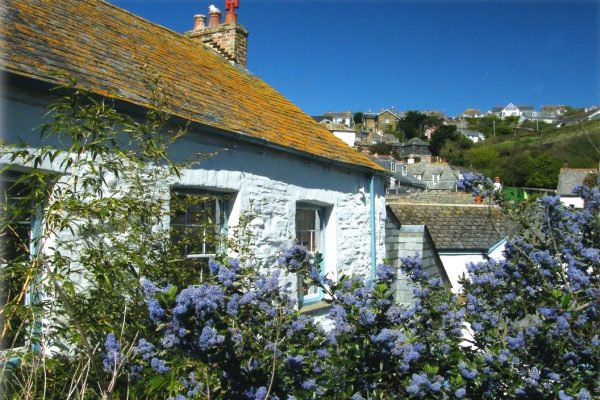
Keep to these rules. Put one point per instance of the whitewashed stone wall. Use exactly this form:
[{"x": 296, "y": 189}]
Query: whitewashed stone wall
[{"x": 263, "y": 180}]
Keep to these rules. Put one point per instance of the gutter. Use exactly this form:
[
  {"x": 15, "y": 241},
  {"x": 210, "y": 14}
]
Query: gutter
[{"x": 373, "y": 229}]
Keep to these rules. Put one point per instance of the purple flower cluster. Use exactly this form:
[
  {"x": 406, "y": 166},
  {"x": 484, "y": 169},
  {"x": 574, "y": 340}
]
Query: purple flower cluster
[{"x": 113, "y": 357}]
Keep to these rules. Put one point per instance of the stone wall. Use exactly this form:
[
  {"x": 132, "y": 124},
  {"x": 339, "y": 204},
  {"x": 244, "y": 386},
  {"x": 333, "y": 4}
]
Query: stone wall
[
  {"x": 229, "y": 40},
  {"x": 268, "y": 183},
  {"x": 408, "y": 241}
]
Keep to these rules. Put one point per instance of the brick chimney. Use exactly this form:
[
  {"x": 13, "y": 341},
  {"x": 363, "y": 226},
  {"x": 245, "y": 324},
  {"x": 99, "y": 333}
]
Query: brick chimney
[{"x": 229, "y": 39}]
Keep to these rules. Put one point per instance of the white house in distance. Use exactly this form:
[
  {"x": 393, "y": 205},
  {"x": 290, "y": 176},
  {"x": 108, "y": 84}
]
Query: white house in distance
[
  {"x": 344, "y": 117},
  {"x": 341, "y": 131},
  {"x": 511, "y": 110},
  {"x": 299, "y": 177}
]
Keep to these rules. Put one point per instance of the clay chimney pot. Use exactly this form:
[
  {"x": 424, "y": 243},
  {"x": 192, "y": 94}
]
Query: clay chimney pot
[
  {"x": 214, "y": 15},
  {"x": 199, "y": 22}
]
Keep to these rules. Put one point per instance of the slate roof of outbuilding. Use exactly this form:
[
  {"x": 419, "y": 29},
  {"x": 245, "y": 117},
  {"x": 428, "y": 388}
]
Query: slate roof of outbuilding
[
  {"x": 568, "y": 178},
  {"x": 114, "y": 53},
  {"x": 456, "y": 227}
]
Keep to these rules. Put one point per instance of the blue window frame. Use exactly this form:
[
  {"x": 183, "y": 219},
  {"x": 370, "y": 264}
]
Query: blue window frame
[{"x": 310, "y": 228}]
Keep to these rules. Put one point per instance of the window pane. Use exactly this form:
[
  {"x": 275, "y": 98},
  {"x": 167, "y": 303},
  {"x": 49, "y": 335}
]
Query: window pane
[
  {"x": 15, "y": 239},
  {"x": 308, "y": 235},
  {"x": 197, "y": 220}
]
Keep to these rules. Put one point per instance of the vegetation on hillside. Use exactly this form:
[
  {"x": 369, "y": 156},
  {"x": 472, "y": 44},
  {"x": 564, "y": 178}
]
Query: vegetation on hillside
[{"x": 534, "y": 159}]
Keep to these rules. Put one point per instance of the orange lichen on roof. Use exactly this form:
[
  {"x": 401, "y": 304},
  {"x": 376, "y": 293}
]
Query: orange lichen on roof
[{"x": 113, "y": 52}]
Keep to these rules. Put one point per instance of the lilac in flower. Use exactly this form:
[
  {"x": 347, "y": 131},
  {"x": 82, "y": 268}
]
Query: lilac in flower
[
  {"x": 261, "y": 393},
  {"x": 209, "y": 338},
  {"x": 113, "y": 355},
  {"x": 386, "y": 272},
  {"x": 203, "y": 299},
  {"x": 144, "y": 348},
  {"x": 233, "y": 305},
  {"x": 309, "y": 384},
  {"x": 159, "y": 365}
]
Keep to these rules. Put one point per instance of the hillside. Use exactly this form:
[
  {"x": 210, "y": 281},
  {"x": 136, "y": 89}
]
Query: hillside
[{"x": 534, "y": 159}]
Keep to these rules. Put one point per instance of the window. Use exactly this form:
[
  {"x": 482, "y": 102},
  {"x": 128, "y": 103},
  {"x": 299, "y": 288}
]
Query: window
[
  {"x": 404, "y": 170},
  {"x": 418, "y": 176},
  {"x": 198, "y": 222},
  {"x": 393, "y": 166},
  {"x": 309, "y": 234},
  {"x": 19, "y": 229},
  {"x": 435, "y": 178}
]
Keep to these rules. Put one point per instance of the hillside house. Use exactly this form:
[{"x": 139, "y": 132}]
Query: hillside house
[
  {"x": 413, "y": 151},
  {"x": 473, "y": 113},
  {"x": 437, "y": 176},
  {"x": 592, "y": 114},
  {"x": 369, "y": 122},
  {"x": 511, "y": 110},
  {"x": 344, "y": 118},
  {"x": 387, "y": 120},
  {"x": 269, "y": 155},
  {"x": 473, "y": 136}
]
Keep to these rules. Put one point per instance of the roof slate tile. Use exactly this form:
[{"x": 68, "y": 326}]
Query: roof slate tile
[{"x": 457, "y": 227}]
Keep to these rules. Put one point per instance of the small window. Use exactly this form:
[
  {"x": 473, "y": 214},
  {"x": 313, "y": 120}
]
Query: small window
[
  {"x": 404, "y": 170},
  {"x": 19, "y": 231},
  {"x": 435, "y": 178},
  {"x": 309, "y": 234},
  {"x": 419, "y": 176},
  {"x": 198, "y": 222},
  {"x": 393, "y": 166}
]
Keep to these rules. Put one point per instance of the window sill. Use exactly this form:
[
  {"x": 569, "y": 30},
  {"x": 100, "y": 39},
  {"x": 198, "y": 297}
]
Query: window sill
[{"x": 315, "y": 307}]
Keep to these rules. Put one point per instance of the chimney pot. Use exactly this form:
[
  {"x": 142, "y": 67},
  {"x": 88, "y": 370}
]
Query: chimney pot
[
  {"x": 199, "y": 22},
  {"x": 230, "y": 17},
  {"x": 214, "y": 15}
]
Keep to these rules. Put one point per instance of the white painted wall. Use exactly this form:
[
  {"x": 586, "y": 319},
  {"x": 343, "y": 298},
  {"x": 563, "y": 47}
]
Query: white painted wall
[
  {"x": 349, "y": 137},
  {"x": 455, "y": 263},
  {"x": 267, "y": 182},
  {"x": 569, "y": 201}
]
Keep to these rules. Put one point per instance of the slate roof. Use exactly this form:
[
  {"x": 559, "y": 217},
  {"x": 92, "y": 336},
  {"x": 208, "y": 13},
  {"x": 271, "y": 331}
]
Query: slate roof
[
  {"x": 114, "y": 53},
  {"x": 456, "y": 227},
  {"x": 526, "y": 108},
  {"x": 568, "y": 178},
  {"x": 389, "y": 111},
  {"x": 406, "y": 180},
  {"x": 417, "y": 142}
]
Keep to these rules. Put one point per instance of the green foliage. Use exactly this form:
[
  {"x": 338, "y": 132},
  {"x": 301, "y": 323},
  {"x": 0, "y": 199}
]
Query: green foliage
[
  {"x": 415, "y": 123},
  {"x": 381, "y": 148},
  {"x": 534, "y": 159},
  {"x": 358, "y": 117},
  {"x": 95, "y": 235}
]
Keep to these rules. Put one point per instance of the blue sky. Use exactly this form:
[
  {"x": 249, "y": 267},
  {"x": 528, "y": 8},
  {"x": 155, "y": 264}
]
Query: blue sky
[{"x": 424, "y": 55}]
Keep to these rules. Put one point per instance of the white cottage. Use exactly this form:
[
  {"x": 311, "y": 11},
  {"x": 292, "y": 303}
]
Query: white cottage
[{"x": 302, "y": 181}]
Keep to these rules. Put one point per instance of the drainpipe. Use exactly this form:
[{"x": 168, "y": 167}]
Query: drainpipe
[{"x": 373, "y": 231}]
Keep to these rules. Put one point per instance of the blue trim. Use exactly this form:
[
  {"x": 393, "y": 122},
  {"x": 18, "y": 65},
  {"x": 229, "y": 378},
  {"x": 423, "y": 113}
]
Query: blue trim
[
  {"x": 373, "y": 231},
  {"x": 317, "y": 297}
]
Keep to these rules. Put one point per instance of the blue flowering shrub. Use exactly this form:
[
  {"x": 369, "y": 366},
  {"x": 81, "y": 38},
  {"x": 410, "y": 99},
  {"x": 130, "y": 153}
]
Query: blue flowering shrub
[{"x": 525, "y": 327}]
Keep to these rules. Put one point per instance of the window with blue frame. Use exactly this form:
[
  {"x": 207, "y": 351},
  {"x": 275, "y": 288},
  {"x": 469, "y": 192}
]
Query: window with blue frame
[{"x": 310, "y": 226}]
